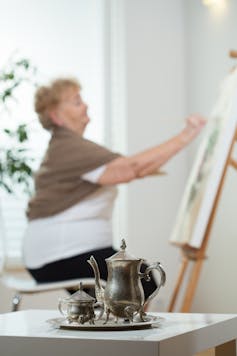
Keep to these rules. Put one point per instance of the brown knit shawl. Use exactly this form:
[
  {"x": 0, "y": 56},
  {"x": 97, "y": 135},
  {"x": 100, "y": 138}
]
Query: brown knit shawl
[{"x": 58, "y": 183}]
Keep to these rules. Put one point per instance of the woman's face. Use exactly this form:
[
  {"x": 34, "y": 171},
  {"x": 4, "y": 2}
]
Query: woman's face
[{"x": 71, "y": 112}]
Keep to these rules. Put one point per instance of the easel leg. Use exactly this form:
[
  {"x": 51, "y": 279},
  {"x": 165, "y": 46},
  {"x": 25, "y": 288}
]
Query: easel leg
[
  {"x": 229, "y": 348},
  {"x": 188, "y": 298},
  {"x": 182, "y": 271}
]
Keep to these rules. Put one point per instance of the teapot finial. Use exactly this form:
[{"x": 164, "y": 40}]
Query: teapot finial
[{"x": 123, "y": 244}]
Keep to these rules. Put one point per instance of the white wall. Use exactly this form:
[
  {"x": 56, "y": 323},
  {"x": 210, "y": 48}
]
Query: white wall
[
  {"x": 210, "y": 36},
  {"x": 156, "y": 98}
]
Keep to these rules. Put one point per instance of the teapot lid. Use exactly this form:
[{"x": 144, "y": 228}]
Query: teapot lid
[
  {"x": 122, "y": 254},
  {"x": 80, "y": 296}
]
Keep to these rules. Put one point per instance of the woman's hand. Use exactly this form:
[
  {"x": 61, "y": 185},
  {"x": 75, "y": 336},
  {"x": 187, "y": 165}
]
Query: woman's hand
[{"x": 194, "y": 125}]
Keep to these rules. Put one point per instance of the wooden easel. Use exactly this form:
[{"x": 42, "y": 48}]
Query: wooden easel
[{"x": 197, "y": 256}]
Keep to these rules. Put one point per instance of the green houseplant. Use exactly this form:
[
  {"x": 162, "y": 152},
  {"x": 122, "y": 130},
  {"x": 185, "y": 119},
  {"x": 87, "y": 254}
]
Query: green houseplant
[{"x": 15, "y": 161}]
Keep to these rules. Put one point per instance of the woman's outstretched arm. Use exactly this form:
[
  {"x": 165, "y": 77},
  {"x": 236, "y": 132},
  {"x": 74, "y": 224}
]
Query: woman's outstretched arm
[{"x": 126, "y": 169}]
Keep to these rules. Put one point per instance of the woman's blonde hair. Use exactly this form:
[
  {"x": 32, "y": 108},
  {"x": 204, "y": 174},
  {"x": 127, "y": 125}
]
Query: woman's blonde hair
[{"x": 48, "y": 97}]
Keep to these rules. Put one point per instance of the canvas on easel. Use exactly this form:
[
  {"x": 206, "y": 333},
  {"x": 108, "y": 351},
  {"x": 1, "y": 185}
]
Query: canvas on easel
[
  {"x": 200, "y": 201},
  {"x": 194, "y": 212}
]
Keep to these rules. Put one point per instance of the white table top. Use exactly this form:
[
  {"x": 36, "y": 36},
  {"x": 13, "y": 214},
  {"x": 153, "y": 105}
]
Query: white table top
[{"x": 176, "y": 334}]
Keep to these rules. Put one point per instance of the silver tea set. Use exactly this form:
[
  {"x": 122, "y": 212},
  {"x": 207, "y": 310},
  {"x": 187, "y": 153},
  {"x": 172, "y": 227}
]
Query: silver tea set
[{"x": 122, "y": 297}]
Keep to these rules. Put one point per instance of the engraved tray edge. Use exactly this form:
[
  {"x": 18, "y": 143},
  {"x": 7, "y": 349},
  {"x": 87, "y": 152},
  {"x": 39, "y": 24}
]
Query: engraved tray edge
[{"x": 61, "y": 323}]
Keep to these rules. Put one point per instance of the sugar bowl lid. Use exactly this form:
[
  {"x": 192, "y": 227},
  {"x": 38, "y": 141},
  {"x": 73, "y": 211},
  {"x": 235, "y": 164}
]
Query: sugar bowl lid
[
  {"x": 122, "y": 254},
  {"x": 81, "y": 296}
]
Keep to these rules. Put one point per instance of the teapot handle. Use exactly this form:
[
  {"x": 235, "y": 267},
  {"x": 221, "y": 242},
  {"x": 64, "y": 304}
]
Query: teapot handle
[{"x": 146, "y": 276}]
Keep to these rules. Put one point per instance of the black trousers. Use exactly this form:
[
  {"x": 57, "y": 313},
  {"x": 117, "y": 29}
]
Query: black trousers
[{"x": 78, "y": 267}]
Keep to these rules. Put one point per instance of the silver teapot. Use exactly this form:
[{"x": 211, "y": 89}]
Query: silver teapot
[{"x": 123, "y": 295}]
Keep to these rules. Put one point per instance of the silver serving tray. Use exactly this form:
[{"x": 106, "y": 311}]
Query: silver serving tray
[{"x": 99, "y": 325}]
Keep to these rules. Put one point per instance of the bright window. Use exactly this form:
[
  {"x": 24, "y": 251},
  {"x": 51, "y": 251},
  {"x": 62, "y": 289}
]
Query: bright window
[{"x": 60, "y": 38}]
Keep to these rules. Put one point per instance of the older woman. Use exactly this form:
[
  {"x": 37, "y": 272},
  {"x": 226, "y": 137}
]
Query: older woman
[{"x": 75, "y": 187}]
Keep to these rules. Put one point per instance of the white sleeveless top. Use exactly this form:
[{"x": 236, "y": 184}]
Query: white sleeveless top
[{"x": 83, "y": 227}]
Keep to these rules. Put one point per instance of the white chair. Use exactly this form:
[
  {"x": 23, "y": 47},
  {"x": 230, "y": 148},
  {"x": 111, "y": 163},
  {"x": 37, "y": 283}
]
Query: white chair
[
  {"x": 23, "y": 286},
  {"x": 26, "y": 286}
]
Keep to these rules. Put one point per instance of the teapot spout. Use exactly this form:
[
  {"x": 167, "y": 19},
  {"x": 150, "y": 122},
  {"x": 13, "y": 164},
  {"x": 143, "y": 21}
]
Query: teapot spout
[{"x": 99, "y": 290}]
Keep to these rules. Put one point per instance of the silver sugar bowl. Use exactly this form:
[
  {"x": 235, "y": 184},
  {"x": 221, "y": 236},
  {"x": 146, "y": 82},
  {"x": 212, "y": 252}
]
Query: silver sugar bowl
[{"x": 79, "y": 307}]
